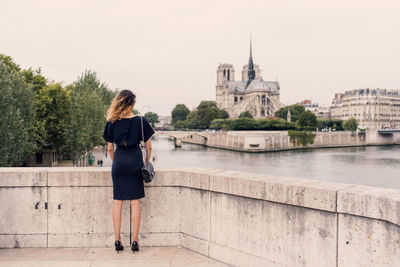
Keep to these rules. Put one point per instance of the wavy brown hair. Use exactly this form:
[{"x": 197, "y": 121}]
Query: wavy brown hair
[{"x": 121, "y": 105}]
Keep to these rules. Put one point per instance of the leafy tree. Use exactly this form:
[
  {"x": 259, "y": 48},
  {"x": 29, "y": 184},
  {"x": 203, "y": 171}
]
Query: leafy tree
[
  {"x": 53, "y": 109},
  {"x": 151, "y": 117},
  {"x": 179, "y": 113},
  {"x": 9, "y": 64},
  {"x": 88, "y": 108},
  {"x": 350, "y": 125},
  {"x": 18, "y": 110},
  {"x": 204, "y": 114},
  {"x": 245, "y": 114},
  {"x": 295, "y": 111},
  {"x": 307, "y": 118},
  {"x": 35, "y": 79}
]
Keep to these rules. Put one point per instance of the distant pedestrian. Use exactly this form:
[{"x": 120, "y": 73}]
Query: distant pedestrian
[
  {"x": 101, "y": 163},
  {"x": 98, "y": 162}
]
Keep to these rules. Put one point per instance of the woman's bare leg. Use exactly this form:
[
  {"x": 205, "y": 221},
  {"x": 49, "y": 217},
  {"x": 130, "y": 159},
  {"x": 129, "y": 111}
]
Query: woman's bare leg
[
  {"x": 116, "y": 215},
  {"x": 135, "y": 207}
]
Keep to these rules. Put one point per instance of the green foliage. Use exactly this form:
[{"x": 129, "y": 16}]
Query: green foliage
[
  {"x": 53, "y": 110},
  {"x": 252, "y": 124},
  {"x": 88, "y": 107},
  {"x": 245, "y": 114},
  {"x": 39, "y": 117},
  {"x": 301, "y": 137},
  {"x": 201, "y": 117},
  {"x": 307, "y": 118},
  {"x": 179, "y": 113},
  {"x": 35, "y": 79},
  {"x": 152, "y": 117},
  {"x": 295, "y": 111},
  {"x": 9, "y": 64},
  {"x": 334, "y": 124},
  {"x": 350, "y": 125},
  {"x": 18, "y": 115}
]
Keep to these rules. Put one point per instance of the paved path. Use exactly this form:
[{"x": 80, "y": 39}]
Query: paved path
[{"x": 91, "y": 257}]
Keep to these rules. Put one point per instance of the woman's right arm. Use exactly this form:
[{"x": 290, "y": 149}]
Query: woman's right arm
[
  {"x": 148, "y": 151},
  {"x": 110, "y": 149}
]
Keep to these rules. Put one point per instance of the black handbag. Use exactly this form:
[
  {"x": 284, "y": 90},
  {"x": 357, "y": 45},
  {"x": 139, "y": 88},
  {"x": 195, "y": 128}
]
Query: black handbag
[{"x": 147, "y": 171}]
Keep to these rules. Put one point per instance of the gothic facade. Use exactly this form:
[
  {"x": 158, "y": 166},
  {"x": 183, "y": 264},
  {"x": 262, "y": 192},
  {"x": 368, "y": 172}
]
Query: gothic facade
[{"x": 252, "y": 93}]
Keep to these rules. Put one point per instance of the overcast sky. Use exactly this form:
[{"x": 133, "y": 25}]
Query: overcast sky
[{"x": 167, "y": 52}]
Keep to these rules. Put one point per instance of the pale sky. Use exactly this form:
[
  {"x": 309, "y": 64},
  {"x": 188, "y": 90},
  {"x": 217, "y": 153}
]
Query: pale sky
[{"x": 167, "y": 52}]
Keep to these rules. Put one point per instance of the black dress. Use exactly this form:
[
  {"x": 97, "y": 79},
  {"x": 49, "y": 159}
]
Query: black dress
[{"x": 128, "y": 159}]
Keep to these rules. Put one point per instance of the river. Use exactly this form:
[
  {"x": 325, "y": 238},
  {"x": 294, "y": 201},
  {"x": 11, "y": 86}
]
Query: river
[{"x": 373, "y": 165}]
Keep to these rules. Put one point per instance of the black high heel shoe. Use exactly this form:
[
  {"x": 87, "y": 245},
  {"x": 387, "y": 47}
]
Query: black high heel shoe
[
  {"x": 118, "y": 246},
  {"x": 135, "y": 246}
]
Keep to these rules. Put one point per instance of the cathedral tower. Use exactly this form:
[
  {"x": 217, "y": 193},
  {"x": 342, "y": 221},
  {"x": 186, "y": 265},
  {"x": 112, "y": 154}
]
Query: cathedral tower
[{"x": 225, "y": 73}]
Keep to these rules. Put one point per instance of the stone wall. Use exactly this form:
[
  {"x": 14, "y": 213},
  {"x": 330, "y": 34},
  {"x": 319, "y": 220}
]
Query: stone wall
[
  {"x": 242, "y": 219},
  {"x": 264, "y": 141}
]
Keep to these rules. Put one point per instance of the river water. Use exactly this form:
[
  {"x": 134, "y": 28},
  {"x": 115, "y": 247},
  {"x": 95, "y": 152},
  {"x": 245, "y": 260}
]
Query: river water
[{"x": 374, "y": 165}]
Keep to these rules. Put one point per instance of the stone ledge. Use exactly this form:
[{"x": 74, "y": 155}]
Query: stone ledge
[
  {"x": 299, "y": 192},
  {"x": 27, "y": 176},
  {"x": 371, "y": 202}
]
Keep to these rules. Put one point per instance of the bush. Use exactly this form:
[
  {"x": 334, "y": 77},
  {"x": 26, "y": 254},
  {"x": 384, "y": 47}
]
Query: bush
[
  {"x": 252, "y": 124},
  {"x": 350, "y": 125},
  {"x": 246, "y": 114},
  {"x": 301, "y": 137}
]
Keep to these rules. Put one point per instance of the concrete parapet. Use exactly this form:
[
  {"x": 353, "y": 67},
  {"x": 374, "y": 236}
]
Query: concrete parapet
[{"x": 242, "y": 219}]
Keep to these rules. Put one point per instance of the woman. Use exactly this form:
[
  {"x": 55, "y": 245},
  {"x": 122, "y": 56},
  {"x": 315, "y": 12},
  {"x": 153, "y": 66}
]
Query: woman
[{"x": 124, "y": 129}]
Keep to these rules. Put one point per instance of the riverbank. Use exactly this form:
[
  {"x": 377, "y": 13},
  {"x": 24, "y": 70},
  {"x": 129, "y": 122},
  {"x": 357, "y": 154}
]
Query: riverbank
[{"x": 268, "y": 141}]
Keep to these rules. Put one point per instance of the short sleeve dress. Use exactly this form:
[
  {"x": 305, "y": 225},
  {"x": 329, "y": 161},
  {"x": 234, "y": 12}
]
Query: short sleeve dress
[{"x": 126, "y": 133}]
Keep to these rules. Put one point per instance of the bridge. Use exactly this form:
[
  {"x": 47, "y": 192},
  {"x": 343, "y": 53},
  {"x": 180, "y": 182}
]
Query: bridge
[{"x": 177, "y": 136}]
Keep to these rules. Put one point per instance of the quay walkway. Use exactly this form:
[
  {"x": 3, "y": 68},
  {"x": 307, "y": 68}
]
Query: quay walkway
[{"x": 101, "y": 257}]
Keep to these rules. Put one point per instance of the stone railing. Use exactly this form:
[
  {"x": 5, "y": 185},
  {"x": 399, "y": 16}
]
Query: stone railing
[{"x": 242, "y": 219}]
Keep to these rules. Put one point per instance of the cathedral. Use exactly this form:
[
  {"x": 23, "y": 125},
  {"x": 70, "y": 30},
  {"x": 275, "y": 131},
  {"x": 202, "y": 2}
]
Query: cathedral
[{"x": 252, "y": 93}]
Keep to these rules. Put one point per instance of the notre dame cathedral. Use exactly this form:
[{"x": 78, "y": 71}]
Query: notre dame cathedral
[{"x": 252, "y": 93}]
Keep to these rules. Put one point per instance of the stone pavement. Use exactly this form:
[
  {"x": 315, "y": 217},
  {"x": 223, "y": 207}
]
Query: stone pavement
[{"x": 98, "y": 257}]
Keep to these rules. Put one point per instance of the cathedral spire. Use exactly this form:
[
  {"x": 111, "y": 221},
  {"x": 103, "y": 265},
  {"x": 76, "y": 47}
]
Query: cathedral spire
[{"x": 250, "y": 68}]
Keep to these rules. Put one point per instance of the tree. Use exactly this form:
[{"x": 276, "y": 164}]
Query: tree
[
  {"x": 295, "y": 111},
  {"x": 245, "y": 114},
  {"x": 17, "y": 123},
  {"x": 179, "y": 113},
  {"x": 307, "y": 118},
  {"x": 202, "y": 116},
  {"x": 88, "y": 108},
  {"x": 350, "y": 125},
  {"x": 151, "y": 117},
  {"x": 53, "y": 109},
  {"x": 35, "y": 79}
]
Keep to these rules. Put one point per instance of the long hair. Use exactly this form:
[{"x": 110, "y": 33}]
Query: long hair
[{"x": 121, "y": 105}]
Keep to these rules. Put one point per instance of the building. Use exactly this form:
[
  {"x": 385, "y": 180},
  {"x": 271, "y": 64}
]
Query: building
[
  {"x": 252, "y": 93},
  {"x": 320, "y": 112},
  {"x": 373, "y": 108},
  {"x": 164, "y": 123}
]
